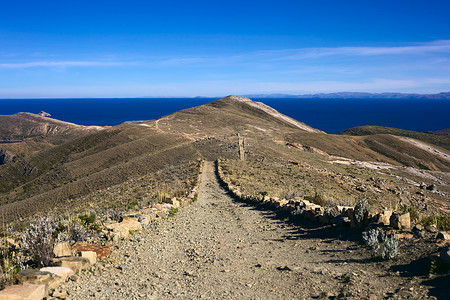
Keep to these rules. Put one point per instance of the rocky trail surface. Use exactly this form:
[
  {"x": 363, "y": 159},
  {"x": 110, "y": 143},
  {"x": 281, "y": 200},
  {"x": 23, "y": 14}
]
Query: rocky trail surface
[{"x": 218, "y": 248}]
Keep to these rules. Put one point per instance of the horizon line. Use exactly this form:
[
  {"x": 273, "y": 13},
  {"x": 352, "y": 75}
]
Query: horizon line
[{"x": 243, "y": 95}]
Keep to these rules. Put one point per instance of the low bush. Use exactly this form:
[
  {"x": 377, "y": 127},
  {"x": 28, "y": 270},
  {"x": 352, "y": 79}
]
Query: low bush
[
  {"x": 292, "y": 194},
  {"x": 361, "y": 211},
  {"x": 2, "y": 279},
  {"x": 9, "y": 267},
  {"x": 38, "y": 239},
  {"x": 172, "y": 212},
  {"x": 317, "y": 199},
  {"x": 439, "y": 267},
  {"x": 87, "y": 219},
  {"x": 195, "y": 198},
  {"x": 78, "y": 232},
  {"x": 384, "y": 246},
  {"x": 115, "y": 215},
  {"x": 442, "y": 222},
  {"x": 370, "y": 238},
  {"x": 389, "y": 247}
]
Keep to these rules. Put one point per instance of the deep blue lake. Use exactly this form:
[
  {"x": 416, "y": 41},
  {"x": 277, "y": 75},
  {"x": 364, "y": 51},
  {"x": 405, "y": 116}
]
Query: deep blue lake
[{"x": 329, "y": 115}]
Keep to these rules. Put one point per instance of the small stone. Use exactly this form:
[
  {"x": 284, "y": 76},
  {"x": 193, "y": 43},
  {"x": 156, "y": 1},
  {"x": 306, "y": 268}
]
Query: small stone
[
  {"x": 443, "y": 235},
  {"x": 123, "y": 267},
  {"x": 373, "y": 297},
  {"x": 90, "y": 255},
  {"x": 431, "y": 187},
  {"x": 62, "y": 294},
  {"x": 74, "y": 278},
  {"x": 431, "y": 228},
  {"x": 285, "y": 268},
  {"x": 404, "y": 235},
  {"x": 418, "y": 227}
]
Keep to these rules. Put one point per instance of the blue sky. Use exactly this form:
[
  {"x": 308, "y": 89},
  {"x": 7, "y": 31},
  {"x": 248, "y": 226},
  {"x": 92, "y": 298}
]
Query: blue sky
[{"x": 214, "y": 48}]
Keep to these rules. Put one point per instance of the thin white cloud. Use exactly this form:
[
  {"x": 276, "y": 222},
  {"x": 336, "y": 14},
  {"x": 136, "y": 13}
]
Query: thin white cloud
[
  {"x": 182, "y": 61},
  {"x": 304, "y": 53},
  {"x": 59, "y": 64}
]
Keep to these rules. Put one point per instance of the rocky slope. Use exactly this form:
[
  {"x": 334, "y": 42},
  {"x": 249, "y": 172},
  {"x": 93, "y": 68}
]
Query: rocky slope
[{"x": 218, "y": 248}]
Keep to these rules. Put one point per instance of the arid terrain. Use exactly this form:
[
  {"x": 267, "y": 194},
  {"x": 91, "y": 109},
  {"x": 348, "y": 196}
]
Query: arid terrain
[{"x": 220, "y": 246}]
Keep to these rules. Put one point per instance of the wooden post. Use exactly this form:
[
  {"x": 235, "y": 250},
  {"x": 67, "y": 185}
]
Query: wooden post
[{"x": 241, "y": 147}]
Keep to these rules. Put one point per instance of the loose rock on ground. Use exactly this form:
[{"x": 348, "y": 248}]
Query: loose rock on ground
[{"x": 218, "y": 248}]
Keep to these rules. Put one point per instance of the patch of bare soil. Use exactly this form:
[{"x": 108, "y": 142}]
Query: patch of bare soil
[{"x": 218, "y": 248}]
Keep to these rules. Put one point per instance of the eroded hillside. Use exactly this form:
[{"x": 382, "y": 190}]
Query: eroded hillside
[{"x": 389, "y": 169}]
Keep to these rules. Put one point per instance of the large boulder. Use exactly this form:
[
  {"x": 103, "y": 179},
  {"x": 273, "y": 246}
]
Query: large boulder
[
  {"x": 118, "y": 231},
  {"x": 445, "y": 254},
  {"x": 122, "y": 229},
  {"x": 24, "y": 292},
  {"x": 101, "y": 251},
  {"x": 90, "y": 255},
  {"x": 61, "y": 272},
  {"x": 62, "y": 249},
  {"x": 333, "y": 212},
  {"x": 75, "y": 263},
  {"x": 132, "y": 223},
  {"x": 176, "y": 203},
  {"x": 279, "y": 203},
  {"x": 443, "y": 235},
  {"x": 400, "y": 220},
  {"x": 384, "y": 217},
  {"x": 34, "y": 276}
]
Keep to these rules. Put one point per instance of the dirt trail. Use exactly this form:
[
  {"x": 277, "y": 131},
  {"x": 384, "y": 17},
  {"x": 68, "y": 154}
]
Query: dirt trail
[{"x": 217, "y": 248}]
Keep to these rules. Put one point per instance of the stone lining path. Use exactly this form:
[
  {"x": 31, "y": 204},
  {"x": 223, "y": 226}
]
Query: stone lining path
[{"x": 217, "y": 248}]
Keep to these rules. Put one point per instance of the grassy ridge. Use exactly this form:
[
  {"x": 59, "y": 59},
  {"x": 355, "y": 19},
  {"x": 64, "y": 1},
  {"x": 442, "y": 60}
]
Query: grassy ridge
[
  {"x": 55, "y": 176},
  {"x": 434, "y": 139}
]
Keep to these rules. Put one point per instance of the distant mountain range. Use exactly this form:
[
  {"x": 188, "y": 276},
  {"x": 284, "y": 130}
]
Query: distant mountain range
[{"x": 362, "y": 95}]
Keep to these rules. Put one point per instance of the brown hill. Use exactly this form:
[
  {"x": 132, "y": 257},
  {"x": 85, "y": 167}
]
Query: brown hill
[
  {"x": 26, "y": 133},
  {"x": 79, "y": 161},
  {"x": 22, "y": 126}
]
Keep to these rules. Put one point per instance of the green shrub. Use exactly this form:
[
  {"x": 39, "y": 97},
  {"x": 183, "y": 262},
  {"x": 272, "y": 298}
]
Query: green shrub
[
  {"x": 317, "y": 199},
  {"x": 9, "y": 268},
  {"x": 439, "y": 267},
  {"x": 441, "y": 222},
  {"x": 131, "y": 205},
  {"x": 87, "y": 219},
  {"x": 195, "y": 198},
  {"x": 413, "y": 212},
  {"x": 172, "y": 212}
]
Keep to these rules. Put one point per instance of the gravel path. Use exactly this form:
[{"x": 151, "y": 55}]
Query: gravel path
[{"x": 217, "y": 248}]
